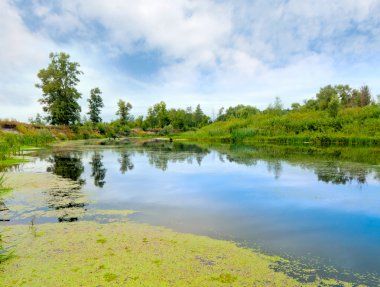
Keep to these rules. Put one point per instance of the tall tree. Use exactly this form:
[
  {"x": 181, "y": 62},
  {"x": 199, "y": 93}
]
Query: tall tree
[
  {"x": 95, "y": 103},
  {"x": 158, "y": 116},
  {"x": 123, "y": 111},
  {"x": 59, "y": 93}
]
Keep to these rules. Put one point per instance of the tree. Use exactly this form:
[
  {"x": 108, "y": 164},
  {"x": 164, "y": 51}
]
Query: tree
[
  {"x": 37, "y": 120},
  {"x": 275, "y": 108},
  {"x": 200, "y": 119},
  {"x": 158, "y": 116},
  {"x": 240, "y": 112},
  {"x": 296, "y": 106},
  {"x": 95, "y": 103},
  {"x": 59, "y": 93},
  {"x": 365, "y": 96},
  {"x": 325, "y": 95},
  {"x": 333, "y": 106},
  {"x": 123, "y": 111}
]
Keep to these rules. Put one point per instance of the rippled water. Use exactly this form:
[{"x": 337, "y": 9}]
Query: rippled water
[{"x": 321, "y": 210}]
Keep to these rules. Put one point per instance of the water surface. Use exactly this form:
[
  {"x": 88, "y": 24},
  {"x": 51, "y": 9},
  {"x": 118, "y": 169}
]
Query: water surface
[{"x": 320, "y": 210}]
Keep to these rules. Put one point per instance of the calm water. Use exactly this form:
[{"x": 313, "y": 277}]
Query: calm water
[{"x": 319, "y": 210}]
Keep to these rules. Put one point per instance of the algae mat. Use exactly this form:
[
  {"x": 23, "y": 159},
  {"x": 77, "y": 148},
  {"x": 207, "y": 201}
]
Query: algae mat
[{"x": 131, "y": 254}]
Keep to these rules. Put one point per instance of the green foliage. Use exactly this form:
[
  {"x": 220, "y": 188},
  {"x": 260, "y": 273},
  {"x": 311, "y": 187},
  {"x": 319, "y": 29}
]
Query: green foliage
[
  {"x": 276, "y": 108},
  {"x": 350, "y": 126},
  {"x": 167, "y": 130},
  {"x": 344, "y": 95},
  {"x": 95, "y": 103},
  {"x": 159, "y": 117},
  {"x": 11, "y": 144},
  {"x": 59, "y": 93},
  {"x": 123, "y": 111},
  {"x": 239, "y": 112},
  {"x": 333, "y": 106}
]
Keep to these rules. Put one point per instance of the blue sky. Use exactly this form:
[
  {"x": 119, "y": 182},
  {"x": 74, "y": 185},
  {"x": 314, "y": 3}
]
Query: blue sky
[{"x": 215, "y": 53}]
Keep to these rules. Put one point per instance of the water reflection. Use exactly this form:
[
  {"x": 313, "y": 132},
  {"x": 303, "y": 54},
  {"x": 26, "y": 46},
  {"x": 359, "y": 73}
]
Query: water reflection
[
  {"x": 338, "y": 173},
  {"x": 329, "y": 167},
  {"x": 3, "y": 211},
  {"x": 67, "y": 165},
  {"x": 275, "y": 167},
  {"x": 125, "y": 160},
  {"x": 67, "y": 201},
  {"x": 98, "y": 171},
  {"x": 160, "y": 154}
]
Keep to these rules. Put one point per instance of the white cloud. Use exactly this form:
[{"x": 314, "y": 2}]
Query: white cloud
[
  {"x": 213, "y": 52},
  {"x": 21, "y": 54}
]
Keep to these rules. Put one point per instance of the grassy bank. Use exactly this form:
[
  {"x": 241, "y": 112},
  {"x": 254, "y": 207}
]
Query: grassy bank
[{"x": 350, "y": 127}]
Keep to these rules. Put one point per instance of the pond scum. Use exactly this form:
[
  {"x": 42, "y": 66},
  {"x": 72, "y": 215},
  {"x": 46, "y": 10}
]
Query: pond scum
[{"x": 132, "y": 254}]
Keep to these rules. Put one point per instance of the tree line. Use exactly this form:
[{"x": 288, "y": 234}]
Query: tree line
[{"x": 60, "y": 97}]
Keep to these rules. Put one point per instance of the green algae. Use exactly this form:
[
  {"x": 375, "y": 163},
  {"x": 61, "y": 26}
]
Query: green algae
[
  {"x": 224, "y": 278},
  {"x": 108, "y": 277},
  {"x": 101, "y": 240},
  {"x": 69, "y": 254}
]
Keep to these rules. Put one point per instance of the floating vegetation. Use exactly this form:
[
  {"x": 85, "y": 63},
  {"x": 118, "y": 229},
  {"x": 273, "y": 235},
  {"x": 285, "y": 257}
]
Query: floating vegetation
[
  {"x": 108, "y": 277},
  {"x": 67, "y": 254},
  {"x": 5, "y": 253},
  {"x": 225, "y": 278},
  {"x": 306, "y": 271}
]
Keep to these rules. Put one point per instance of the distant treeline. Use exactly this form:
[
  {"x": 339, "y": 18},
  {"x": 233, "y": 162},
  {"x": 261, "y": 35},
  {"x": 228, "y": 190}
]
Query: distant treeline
[{"x": 338, "y": 114}]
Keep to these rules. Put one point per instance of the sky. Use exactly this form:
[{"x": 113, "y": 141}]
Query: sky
[{"x": 187, "y": 52}]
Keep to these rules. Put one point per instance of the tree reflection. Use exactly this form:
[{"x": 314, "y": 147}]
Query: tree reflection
[
  {"x": 160, "y": 154},
  {"x": 336, "y": 166},
  {"x": 67, "y": 166},
  {"x": 275, "y": 167},
  {"x": 68, "y": 201},
  {"x": 125, "y": 161},
  {"x": 98, "y": 172},
  {"x": 338, "y": 173}
]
